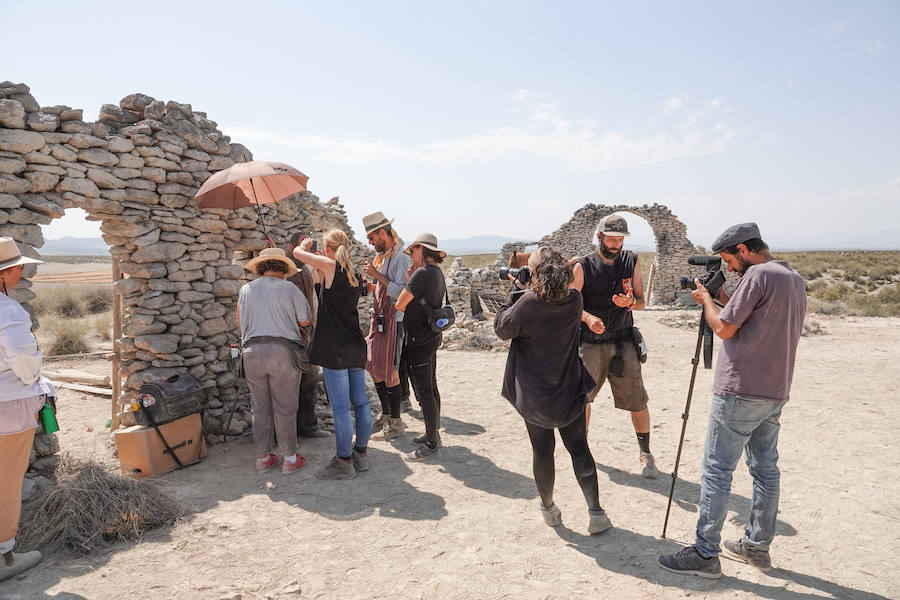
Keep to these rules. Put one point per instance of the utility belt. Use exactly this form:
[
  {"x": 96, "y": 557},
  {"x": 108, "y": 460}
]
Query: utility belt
[
  {"x": 621, "y": 337},
  {"x": 297, "y": 348}
]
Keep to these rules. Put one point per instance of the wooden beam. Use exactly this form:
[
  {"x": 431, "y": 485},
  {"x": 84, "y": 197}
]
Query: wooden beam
[
  {"x": 74, "y": 376},
  {"x": 86, "y": 388},
  {"x": 117, "y": 333}
]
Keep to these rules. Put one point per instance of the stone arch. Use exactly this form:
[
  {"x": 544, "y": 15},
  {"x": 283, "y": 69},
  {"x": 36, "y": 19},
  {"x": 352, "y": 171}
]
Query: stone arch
[
  {"x": 136, "y": 170},
  {"x": 672, "y": 245}
]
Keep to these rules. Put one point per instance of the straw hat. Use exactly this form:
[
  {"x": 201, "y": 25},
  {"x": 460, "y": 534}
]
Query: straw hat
[
  {"x": 376, "y": 220},
  {"x": 427, "y": 240},
  {"x": 10, "y": 255},
  {"x": 272, "y": 254}
]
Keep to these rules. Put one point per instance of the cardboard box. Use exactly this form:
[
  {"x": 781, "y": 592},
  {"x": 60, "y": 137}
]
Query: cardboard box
[{"x": 143, "y": 454}]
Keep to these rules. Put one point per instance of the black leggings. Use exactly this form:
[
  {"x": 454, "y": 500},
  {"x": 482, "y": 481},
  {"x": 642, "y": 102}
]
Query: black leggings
[
  {"x": 423, "y": 374},
  {"x": 574, "y": 437}
]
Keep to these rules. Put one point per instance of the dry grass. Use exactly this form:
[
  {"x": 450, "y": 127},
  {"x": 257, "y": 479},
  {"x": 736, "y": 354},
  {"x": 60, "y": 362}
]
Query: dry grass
[
  {"x": 72, "y": 301},
  {"x": 89, "y": 508},
  {"x": 69, "y": 335}
]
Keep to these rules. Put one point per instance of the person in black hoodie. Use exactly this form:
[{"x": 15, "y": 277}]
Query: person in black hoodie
[{"x": 546, "y": 381}]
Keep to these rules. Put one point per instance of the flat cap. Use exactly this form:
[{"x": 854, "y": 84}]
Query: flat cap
[{"x": 736, "y": 234}]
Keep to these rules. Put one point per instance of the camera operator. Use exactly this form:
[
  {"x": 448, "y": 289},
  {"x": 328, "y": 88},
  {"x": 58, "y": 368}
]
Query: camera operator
[
  {"x": 610, "y": 282},
  {"x": 760, "y": 325}
]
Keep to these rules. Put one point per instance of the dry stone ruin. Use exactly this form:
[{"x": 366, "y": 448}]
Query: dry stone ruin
[{"x": 136, "y": 170}]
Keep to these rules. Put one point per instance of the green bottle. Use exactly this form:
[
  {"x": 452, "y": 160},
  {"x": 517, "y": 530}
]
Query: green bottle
[{"x": 48, "y": 419}]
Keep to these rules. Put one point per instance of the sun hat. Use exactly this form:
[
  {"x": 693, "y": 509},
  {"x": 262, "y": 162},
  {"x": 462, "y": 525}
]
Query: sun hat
[
  {"x": 734, "y": 235},
  {"x": 10, "y": 255},
  {"x": 613, "y": 225},
  {"x": 376, "y": 220},
  {"x": 428, "y": 240},
  {"x": 272, "y": 254}
]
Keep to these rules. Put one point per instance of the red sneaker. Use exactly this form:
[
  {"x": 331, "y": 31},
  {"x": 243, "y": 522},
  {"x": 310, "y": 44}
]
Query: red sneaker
[
  {"x": 264, "y": 464},
  {"x": 288, "y": 467}
]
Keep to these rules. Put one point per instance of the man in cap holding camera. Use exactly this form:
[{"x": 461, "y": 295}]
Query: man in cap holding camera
[
  {"x": 385, "y": 344},
  {"x": 612, "y": 287},
  {"x": 760, "y": 325}
]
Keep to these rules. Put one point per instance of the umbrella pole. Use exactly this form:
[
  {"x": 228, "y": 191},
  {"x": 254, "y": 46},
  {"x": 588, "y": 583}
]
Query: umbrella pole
[{"x": 259, "y": 211}]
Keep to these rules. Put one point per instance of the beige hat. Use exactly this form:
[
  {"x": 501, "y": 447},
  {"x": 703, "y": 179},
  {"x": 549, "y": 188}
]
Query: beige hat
[
  {"x": 10, "y": 255},
  {"x": 429, "y": 241},
  {"x": 376, "y": 220},
  {"x": 272, "y": 254}
]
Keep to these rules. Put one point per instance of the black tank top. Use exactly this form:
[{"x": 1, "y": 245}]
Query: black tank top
[
  {"x": 601, "y": 283},
  {"x": 338, "y": 343}
]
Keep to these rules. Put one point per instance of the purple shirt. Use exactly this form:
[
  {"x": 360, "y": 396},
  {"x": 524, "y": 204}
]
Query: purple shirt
[{"x": 768, "y": 306}]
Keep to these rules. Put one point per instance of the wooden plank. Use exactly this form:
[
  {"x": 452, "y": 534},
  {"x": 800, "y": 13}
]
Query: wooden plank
[
  {"x": 74, "y": 376},
  {"x": 117, "y": 333},
  {"x": 86, "y": 388}
]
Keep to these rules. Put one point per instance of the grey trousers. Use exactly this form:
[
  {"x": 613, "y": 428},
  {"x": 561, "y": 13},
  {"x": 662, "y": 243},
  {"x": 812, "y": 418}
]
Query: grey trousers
[{"x": 274, "y": 385}]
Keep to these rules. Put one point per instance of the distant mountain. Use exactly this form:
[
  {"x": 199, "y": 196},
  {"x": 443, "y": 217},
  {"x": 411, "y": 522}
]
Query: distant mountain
[
  {"x": 68, "y": 245},
  {"x": 478, "y": 244}
]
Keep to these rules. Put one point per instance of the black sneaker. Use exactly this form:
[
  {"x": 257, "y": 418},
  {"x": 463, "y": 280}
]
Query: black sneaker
[
  {"x": 688, "y": 561},
  {"x": 757, "y": 558}
]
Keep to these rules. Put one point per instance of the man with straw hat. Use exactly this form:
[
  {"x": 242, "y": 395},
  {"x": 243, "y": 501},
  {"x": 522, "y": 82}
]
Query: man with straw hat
[
  {"x": 21, "y": 397},
  {"x": 389, "y": 270},
  {"x": 271, "y": 312}
]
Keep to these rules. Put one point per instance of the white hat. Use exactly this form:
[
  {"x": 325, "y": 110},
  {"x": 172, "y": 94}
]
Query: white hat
[
  {"x": 427, "y": 240},
  {"x": 10, "y": 255}
]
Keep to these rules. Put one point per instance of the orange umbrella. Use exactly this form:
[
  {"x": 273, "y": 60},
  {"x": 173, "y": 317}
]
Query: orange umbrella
[{"x": 245, "y": 184}]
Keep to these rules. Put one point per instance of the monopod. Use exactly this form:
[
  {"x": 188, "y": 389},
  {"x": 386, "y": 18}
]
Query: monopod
[{"x": 704, "y": 340}]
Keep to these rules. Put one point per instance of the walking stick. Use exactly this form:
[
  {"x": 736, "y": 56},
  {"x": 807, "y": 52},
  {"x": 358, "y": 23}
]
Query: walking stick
[{"x": 704, "y": 339}]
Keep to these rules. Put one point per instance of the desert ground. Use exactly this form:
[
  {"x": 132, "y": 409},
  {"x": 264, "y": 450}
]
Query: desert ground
[{"x": 468, "y": 525}]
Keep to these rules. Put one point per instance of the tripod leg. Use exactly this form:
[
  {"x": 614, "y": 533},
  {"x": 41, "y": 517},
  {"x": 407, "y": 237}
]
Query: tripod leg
[{"x": 684, "y": 416}]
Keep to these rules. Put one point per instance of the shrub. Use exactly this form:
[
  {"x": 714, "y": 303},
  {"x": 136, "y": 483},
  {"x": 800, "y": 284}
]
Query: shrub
[
  {"x": 68, "y": 336},
  {"x": 98, "y": 299},
  {"x": 103, "y": 326}
]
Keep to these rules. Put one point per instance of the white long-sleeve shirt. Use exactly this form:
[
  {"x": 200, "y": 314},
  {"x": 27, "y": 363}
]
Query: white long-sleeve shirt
[{"x": 20, "y": 359}]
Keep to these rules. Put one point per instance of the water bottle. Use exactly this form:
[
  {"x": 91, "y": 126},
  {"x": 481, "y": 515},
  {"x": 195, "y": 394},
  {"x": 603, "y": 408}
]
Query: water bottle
[
  {"x": 48, "y": 419},
  {"x": 442, "y": 322},
  {"x": 234, "y": 350}
]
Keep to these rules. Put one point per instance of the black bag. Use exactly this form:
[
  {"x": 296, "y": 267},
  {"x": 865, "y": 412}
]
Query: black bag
[
  {"x": 440, "y": 319},
  {"x": 639, "y": 344},
  {"x": 170, "y": 399}
]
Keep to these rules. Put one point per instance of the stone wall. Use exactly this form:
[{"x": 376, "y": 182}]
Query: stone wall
[{"x": 136, "y": 170}]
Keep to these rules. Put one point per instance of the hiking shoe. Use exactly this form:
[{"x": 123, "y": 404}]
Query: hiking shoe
[
  {"x": 405, "y": 405},
  {"x": 648, "y": 466},
  {"x": 599, "y": 522},
  {"x": 337, "y": 469},
  {"x": 688, "y": 561},
  {"x": 422, "y": 439},
  {"x": 423, "y": 453},
  {"x": 264, "y": 464},
  {"x": 751, "y": 556},
  {"x": 288, "y": 467},
  {"x": 392, "y": 429},
  {"x": 361, "y": 461},
  {"x": 552, "y": 515},
  {"x": 21, "y": 562},
  {"x": 379, "y": 423}
]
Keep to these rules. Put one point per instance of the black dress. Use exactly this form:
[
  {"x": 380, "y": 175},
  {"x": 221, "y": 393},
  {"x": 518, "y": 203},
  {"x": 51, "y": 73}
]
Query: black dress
[
  {"x": 338, "y": 342},
  {"x": 545, "y": 379}
]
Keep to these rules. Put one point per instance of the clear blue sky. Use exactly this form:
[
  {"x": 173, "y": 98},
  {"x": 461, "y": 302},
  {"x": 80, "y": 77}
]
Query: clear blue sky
[{"x": 469, "y": 118}]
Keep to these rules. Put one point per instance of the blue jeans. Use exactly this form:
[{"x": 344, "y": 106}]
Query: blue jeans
[
  {"x": 346, "y": 386},
  {"x": 737, "y": 425}
]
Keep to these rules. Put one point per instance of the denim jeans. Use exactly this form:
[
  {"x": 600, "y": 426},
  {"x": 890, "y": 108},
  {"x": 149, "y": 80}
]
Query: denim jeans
[
  {"x": 346, "y": 386},
  {"x": 738, "y": 425}
]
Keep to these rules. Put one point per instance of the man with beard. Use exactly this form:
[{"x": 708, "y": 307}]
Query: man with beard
[
  {"x": 389, "y": 270},
  {"x": 611, "y": 284},
  {"x": 760, "y": 325}
]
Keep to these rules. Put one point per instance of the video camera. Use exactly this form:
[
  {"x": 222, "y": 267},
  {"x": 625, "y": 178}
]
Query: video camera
[
  {"x": 520, "y": 274},
  {"x": 714, "y": 278}
]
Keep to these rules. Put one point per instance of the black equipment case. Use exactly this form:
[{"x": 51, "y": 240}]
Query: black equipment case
[{"x": 178, "y": 396}]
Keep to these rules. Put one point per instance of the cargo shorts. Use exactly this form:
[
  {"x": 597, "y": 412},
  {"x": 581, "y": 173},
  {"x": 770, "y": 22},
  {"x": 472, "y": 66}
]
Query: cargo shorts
[{"x": 628, "y": 390}]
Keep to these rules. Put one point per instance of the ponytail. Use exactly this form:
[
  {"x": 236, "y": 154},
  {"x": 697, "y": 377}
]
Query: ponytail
[{"x": 338, "y": 241}]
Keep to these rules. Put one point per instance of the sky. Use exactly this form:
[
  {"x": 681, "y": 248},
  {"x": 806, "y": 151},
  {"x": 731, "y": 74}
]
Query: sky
[{"x": 502, "y": 117}]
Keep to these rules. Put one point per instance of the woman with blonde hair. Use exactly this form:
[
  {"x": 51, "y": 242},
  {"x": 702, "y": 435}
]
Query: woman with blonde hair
[{"x": 340, "y": 348}]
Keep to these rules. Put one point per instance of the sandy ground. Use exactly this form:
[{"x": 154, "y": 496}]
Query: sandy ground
[
  {"x": 88, "y": 272},
  {"x": 468, "y": 524}
]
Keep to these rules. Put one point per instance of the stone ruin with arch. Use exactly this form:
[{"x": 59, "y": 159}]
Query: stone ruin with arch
[{"x": 136, "y": 170}]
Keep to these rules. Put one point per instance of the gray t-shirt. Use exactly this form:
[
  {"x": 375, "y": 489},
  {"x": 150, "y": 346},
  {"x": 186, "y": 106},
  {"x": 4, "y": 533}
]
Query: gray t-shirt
[
  {"x": 273, "y": 307},
  {"x": 768, "y": 306}
]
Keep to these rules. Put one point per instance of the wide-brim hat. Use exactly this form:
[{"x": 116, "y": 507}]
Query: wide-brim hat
[
  {"x": 428, "y": 240},
  {"x": 375, "y": 221},
  {"x": 272, "y": 254},
  {"x": 613, "y": 225},
  {"x": 10, "y": 255}
]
